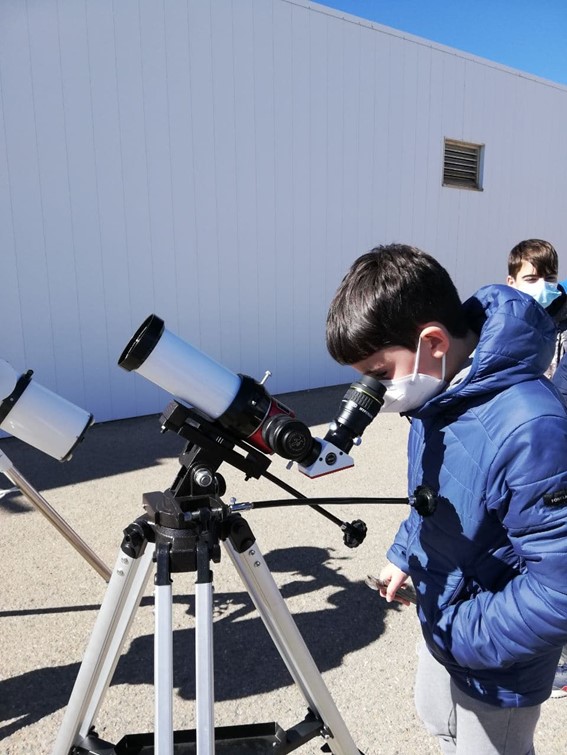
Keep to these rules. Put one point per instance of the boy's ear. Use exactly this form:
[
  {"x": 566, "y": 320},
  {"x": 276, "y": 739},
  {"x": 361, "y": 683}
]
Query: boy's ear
[
  {"x": 436, "y": 339},
  {"x": 511, "y": 281}
]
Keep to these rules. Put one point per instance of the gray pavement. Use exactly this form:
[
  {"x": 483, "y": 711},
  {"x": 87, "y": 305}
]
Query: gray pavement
[{"x": 50, "y": 596}]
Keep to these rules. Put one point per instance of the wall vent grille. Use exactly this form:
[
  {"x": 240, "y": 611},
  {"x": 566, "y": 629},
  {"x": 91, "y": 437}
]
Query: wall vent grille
[{"x": 462, "y": 165}]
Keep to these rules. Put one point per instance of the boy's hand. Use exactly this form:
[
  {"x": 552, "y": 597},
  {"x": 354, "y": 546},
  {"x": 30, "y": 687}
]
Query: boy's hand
[{"x": 391, "y": 585}]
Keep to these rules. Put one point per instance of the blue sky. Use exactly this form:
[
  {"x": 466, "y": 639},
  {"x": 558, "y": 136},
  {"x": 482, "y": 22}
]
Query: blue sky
[{"x": 527, "y": 34}]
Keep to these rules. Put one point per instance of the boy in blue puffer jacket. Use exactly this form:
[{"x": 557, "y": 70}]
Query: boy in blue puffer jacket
[
  {"x": 489, "y": 438},
  {"x": 533, "y": 267}
]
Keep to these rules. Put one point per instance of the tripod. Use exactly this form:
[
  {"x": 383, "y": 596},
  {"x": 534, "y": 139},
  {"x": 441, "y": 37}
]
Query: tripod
[{"x": 186, "y": 526}]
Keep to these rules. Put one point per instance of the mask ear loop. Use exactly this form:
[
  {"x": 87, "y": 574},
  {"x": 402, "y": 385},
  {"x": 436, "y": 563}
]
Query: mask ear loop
[{"x": 416, "y": 364}]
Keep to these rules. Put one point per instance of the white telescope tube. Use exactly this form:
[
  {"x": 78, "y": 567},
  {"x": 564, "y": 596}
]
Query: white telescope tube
[
  {"x": 179, "y": 368},
  {"x": 38, "y": 416}
]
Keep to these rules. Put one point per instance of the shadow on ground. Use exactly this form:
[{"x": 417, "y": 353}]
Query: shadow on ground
[{"x": 246, "y": 662}]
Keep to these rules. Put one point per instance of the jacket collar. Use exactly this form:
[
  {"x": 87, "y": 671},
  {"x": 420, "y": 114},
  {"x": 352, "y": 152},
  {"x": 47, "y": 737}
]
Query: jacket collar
[{"x": 516, "y": 341}]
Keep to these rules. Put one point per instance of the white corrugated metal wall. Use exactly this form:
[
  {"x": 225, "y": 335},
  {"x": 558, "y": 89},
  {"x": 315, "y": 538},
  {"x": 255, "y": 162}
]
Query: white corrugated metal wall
[{"x": 222, "y": 163}]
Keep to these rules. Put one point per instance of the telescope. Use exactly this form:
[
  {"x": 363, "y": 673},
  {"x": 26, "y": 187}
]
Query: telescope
[
  {"x": 50, "y": 423},
  {"x": 243, "y": 406},
  {"x": 38, "y": 416},
  {"x": 220, "y": 414}
]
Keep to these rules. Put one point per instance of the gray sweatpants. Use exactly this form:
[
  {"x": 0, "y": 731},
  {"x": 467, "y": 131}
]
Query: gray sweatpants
[{"x": 465, "y": 726}]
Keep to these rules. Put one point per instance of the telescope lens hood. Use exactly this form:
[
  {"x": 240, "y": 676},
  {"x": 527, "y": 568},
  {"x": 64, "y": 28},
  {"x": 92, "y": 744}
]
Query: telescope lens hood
[{"x": 142, "y": 343}]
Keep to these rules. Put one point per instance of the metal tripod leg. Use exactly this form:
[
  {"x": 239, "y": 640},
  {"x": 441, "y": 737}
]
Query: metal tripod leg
[
  {"x": 163, "y": 655},
  {"x": 35, "y": 497},
  {"x": 117, "y": 611},
  {"x": 204, "y": 663},
  {"x": 294, "y": 652}
]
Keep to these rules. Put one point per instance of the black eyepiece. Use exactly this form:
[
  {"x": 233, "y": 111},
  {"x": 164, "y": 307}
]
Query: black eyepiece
[{"x": 359, "y": 406}]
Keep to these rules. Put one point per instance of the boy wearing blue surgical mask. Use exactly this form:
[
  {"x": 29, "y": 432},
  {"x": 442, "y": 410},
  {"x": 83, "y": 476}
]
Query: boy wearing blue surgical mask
[
  {"x": 488, "y": 438},
  {"x": 532, "y": 268}
]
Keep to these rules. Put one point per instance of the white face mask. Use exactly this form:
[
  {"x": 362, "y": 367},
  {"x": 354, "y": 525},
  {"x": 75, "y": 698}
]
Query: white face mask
[
  {"x": 542, "y": 291},
  {"x": 412, "y": 391}
]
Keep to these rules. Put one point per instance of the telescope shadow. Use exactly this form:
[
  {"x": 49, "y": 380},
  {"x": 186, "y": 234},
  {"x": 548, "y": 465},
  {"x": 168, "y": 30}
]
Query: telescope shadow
[
  {"x": 112, "y": 448},
  {"x": 246, "y": 662}
]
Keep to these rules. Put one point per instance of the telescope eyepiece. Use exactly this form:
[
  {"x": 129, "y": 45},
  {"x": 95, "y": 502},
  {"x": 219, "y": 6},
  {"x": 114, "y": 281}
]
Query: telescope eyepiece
[{"x": 359, "y": 406}]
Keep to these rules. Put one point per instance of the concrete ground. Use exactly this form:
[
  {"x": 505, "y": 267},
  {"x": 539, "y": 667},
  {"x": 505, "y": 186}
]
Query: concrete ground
[{"x": 50, "y": 596}]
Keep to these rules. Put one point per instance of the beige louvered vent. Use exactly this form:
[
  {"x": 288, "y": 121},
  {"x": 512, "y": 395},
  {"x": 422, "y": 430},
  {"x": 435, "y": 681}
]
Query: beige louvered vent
[{"x": 462, "y": 165}]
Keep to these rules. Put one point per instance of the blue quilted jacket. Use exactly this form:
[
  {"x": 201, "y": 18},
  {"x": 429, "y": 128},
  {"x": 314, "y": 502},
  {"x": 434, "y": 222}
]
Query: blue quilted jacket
[{"x": 490, "y": 565}]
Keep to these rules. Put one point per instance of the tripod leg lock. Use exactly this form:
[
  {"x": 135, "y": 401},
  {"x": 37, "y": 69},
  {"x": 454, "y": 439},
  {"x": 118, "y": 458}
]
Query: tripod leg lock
[
  {"x": 161, "y": 557},
  {"x": 136, "y": 536},
  {"x": 237, "y": 530}
]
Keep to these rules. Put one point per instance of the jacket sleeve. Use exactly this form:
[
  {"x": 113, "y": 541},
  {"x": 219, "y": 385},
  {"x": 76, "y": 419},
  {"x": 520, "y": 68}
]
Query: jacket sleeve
[
  {"x": 396, "y": 553},
  {"x": 560, "y": 378},
  {"x": 527, "y": 490}
]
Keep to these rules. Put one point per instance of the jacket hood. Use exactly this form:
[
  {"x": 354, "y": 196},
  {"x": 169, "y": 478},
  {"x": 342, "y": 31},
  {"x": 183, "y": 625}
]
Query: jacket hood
[
  {"x": 516, "y": 342},
  {"x": 558, "y": 308}
]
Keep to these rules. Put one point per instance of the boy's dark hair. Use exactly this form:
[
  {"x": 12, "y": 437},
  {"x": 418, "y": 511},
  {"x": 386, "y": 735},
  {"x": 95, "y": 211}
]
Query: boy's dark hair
[
  {"x": 385, "y": 299},
  {"x": 540, "y": 253}
]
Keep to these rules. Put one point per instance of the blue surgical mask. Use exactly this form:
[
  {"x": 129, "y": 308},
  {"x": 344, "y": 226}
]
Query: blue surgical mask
[{"x": 543, "y": 292}]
